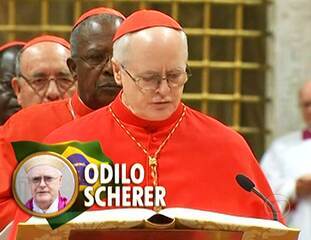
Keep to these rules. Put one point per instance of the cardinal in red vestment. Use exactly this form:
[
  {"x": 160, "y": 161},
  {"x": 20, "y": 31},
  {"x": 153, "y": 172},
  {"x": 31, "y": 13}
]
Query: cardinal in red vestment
[
  {"x": 90, "y": 65},
  {"x": 195, "y": 157}
]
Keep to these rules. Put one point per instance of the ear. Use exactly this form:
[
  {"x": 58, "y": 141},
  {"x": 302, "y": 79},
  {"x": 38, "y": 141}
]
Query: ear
[
  {"x": 116, "y": 72},
  {"x": 72, "y": 68},
  {"x": 16, "y": 85},
  {"x": 61, "y": 179}
]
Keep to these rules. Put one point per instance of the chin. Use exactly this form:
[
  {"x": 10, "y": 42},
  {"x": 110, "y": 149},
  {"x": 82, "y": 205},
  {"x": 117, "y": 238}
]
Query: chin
[
  {"x": 159, "y": 115},
  {"x": 45, "y": 197}
]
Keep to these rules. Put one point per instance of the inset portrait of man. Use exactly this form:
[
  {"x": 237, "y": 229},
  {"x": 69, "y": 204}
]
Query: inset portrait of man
[{"x": 45, "y": 179}]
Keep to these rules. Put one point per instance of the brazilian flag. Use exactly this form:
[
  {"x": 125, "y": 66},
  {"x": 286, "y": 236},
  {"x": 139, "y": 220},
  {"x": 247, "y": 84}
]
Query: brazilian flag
[{"x": 79, "y": 154}]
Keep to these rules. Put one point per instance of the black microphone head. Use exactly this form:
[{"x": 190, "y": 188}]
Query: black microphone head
[{"x": 245, "y": 182}]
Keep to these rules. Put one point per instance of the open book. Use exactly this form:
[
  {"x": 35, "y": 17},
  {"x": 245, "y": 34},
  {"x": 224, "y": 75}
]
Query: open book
[{"x": 167, "y": 219}]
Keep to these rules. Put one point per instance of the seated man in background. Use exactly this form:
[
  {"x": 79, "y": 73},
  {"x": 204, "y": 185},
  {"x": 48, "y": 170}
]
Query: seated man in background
[
  {"x": 90, "y": 65},
  {"x": 288, "y": 168},
  {"x": 8, "y": 102}
]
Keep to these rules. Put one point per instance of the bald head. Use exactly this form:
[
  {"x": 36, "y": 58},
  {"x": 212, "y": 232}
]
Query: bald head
[
  {"x": 40, "y": 51},
  {"x": 305, "y": 102},
  {"x": 8, "y": 58},
  {"x": 156, "y": 37},
  {"x": 102, "y": 23},
  {"x": 8, "y": 101}
]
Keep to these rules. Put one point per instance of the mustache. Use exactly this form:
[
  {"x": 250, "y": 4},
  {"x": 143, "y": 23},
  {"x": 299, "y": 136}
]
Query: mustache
[{"x": 106, "y": 83}]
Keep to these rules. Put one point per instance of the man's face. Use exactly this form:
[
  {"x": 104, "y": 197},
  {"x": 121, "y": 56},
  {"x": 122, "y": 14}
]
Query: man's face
[
  {"x": 45, "y": 183},
  {"x": 305, "y": 103},
  {"x": 159, "y": 54},
  {"x": 44, "y": 75},
  {"x": 93, "y": 70},
  {"x": 8, "y": 101}
]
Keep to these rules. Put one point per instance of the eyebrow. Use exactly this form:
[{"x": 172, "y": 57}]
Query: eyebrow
[
  {"x": 65, "y": 74},
  {"x": 150, "y": 72},
  {"x": 95, "y": 49},
  {"x": 61, "y": 73}
]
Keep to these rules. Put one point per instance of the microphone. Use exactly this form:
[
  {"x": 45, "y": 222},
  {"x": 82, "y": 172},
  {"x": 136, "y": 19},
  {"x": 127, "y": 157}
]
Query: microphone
[{"x": 249, "y": 186}]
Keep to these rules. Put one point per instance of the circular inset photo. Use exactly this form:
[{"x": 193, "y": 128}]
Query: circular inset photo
[{"x": 45, "y": 184}]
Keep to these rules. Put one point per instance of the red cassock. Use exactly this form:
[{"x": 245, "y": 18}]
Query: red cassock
[
  {"x": 33, "y": 124},
  {"x": 197, "y": 166}
]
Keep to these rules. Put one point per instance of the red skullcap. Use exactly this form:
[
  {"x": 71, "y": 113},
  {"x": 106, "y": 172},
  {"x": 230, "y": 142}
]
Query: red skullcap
[
  {"x": 47, "y": 38},
  {"x": 143, "y": 19},
  {"x": 97, "y": 11},
  {"x": 11, "y": 44}
]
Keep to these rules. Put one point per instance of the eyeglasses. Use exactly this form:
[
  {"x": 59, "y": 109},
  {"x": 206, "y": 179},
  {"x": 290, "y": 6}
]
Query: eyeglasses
[
  {"x": 46, "y": 179},
  {"x": 152, "y": 82},
  {"x": 42, "y": 83},
  {"x": 95, "y": 60}
]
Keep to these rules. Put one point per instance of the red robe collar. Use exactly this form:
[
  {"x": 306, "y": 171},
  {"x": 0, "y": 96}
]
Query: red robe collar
[
  {"x": 79, "y": 108},
  {"x": 126, "y": 116}
]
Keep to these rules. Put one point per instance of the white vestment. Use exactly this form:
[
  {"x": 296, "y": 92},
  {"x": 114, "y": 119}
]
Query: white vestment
[{"x": 286, "y": 160}]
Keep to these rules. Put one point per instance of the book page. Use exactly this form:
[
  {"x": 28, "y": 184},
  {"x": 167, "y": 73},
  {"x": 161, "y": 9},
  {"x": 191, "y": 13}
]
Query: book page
[
  {"x": 206, "y": 216},
  {"x": 112, "y": 215}
]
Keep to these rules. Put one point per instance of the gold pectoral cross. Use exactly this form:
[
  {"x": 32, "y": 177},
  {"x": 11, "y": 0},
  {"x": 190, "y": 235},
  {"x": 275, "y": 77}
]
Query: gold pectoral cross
[{"x": 153, "y": 162}]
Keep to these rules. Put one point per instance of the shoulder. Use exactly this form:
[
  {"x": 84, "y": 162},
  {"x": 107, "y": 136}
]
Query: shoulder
[
  {"x": 212, "y": 128},
  {"x": 36, "y": 111},
  {"x": 288, "y": 140},
  {"x": 37, "y": 117},
  {"x": 279, "y": 146},
  {"x": 78, "y": 129},
  {"x": 28, "y": 204}
]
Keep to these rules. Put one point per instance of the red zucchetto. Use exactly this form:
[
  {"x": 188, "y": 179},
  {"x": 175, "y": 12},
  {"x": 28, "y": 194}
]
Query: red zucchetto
[
  {"x": 97, "y": 11},
  {"x": 47, "y": 38},
  {"x": 11, "y": 44},
  {"x": 143, "y": 19}
]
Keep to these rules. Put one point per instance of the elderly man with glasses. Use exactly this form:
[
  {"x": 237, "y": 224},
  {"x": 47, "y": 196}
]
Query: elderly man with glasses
[
  {"x": 44, "y": 175},
  {"x": 90, "y": 66},
  {"x": 41, "y": 71},
  {"x": 196, "y": 158}
]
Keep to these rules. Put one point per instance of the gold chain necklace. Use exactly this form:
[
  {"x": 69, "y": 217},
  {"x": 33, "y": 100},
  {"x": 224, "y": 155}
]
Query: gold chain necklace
[{"x": 152, "y": 159}]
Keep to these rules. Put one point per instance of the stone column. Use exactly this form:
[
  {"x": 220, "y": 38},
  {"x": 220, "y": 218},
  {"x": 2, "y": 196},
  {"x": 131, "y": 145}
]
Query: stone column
[{"x": 289, "y": 53}]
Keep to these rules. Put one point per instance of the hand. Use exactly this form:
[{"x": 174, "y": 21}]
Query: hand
[{"x": 303, "y": 186}]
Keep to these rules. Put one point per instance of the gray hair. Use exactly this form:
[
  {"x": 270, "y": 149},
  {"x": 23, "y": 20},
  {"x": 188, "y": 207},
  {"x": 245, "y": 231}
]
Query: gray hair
[{"x": 122, "y": 45}]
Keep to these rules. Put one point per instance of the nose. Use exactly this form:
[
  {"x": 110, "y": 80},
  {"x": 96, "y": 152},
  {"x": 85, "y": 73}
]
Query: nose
[
  {"x": 42, "y": 182},
  {"x": 107, "y": 68},
  {"x": 52, "y": 92},
  {"x": 163, "y": 87}
]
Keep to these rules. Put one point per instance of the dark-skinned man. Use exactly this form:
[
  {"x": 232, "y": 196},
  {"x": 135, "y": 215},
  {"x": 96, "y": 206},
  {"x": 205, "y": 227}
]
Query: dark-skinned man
[
  {"x": 91, "y": 49},
  {"x": 8, "y": 102}
]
